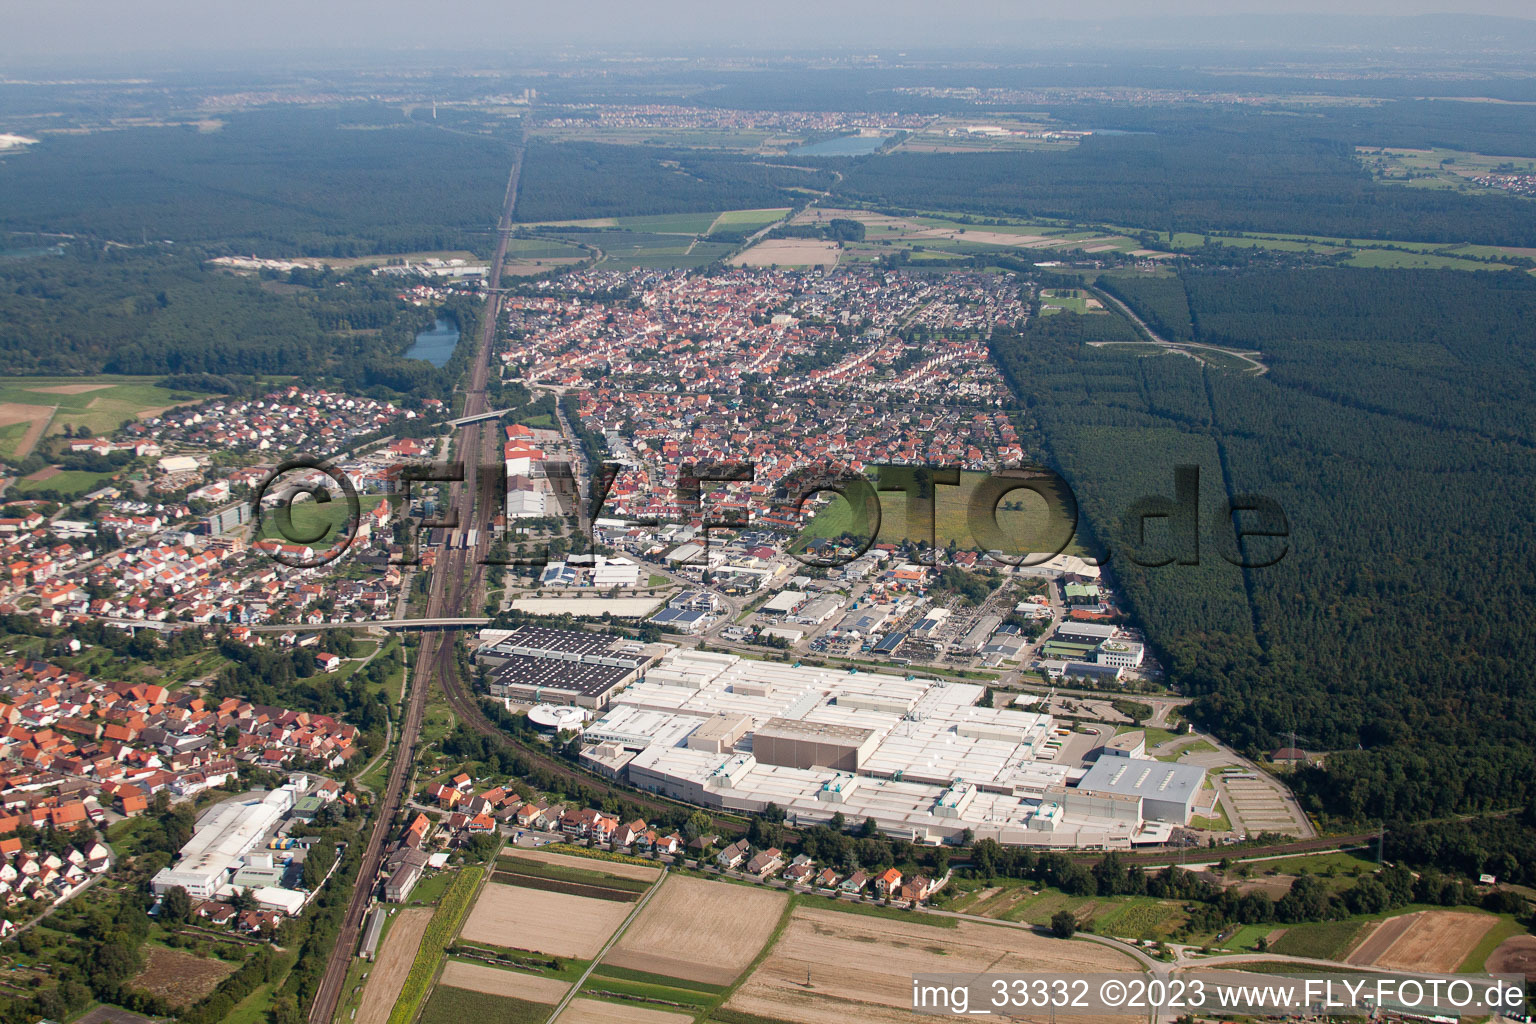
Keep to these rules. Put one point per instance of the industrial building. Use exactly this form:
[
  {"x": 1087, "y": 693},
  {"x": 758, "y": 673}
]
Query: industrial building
[
  {"x": 222, "y": 856},
  {"x": 1167, "y": 791},
  {"x": 921, "y": 757},
  {"x": 537, "y": 665}
]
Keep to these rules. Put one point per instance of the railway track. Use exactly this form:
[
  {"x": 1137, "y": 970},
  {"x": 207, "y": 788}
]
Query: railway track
[{"x": 435, "y": 654}]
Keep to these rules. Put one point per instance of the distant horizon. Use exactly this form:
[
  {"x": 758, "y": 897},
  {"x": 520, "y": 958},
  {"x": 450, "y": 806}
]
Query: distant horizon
[{"x": 88, "y": 30}]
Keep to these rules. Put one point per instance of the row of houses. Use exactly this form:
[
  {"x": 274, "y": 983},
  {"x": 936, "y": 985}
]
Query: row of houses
[{"x": 801, "y": 870}]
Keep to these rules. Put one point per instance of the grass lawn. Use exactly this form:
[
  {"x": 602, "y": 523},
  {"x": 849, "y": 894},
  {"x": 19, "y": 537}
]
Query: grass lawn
[
  {"x": 1246, "y": 937},
  {"x": 539, "y": 421},
  {"x": 431, "y": 888},
  {"x": 253, "y": 1009},
  {"x": 70, "y": 483},
  {"x": 1506, "y": 927},
  {"x": 873, "y": 910},
  {"x": 10, "y": 439},
  {"x": 1218, "y": 822},
  {"x": 1346, "y": 863},
  {"x": 309, "y": 517}
]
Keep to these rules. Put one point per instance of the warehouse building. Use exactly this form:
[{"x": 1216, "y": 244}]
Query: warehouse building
[
  {"x": 1167, "y": 791},
  {"x": 537, "y": 665},
  {"x": 920, "y": 756},
  {"x": 207, "y": 864},
  {"x": 1090, "y": 633}
]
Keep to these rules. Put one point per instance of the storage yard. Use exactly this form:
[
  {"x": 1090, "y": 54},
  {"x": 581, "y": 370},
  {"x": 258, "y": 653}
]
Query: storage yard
[{"x": 920, "y": 756}]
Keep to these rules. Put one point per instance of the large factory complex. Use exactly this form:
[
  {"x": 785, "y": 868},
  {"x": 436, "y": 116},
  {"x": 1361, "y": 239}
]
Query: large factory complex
[{"x": 920, "y": 756}]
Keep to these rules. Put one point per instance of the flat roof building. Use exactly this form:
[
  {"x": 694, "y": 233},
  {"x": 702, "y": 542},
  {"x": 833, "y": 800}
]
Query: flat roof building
[
  {"x": 1167, "y": 791},
  {"x": 206, "y": 864},
  {"x": 801, "y": 744}
]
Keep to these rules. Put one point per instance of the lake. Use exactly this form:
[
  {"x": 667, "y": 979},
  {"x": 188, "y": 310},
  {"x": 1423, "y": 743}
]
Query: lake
[
  {"x": 844, "y": 145},
  {"x": 435, "y": 345}
]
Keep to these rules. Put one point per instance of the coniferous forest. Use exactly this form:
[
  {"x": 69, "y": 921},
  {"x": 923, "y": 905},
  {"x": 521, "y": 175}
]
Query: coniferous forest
[{"x": 1397, "y": 631}]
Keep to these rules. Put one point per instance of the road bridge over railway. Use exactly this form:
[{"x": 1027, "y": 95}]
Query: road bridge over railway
[
  {"x": 477, "y": 417},
  {"x": 467, "y": 622}
]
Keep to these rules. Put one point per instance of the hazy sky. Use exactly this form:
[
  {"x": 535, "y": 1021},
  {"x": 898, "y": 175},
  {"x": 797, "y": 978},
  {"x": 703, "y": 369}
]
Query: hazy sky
[{"x": 62, "y": 27}]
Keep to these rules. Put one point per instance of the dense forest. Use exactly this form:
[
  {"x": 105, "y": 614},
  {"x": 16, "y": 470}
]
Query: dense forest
[
  {"x": 1199, "y": 179},
  {"x": 1397, "y": 629},
  {"x": 160, "y": 310},
  {"x": 578, "y": 180},
  {"x": 354, "y": 181}
]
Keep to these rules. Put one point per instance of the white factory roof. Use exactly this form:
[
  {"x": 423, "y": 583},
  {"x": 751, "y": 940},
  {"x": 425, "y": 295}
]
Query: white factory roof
[
  {"x": 927, "y": 733},
  {"x": 224, "y": 835},
  {"x": 1150, "y": 780}
]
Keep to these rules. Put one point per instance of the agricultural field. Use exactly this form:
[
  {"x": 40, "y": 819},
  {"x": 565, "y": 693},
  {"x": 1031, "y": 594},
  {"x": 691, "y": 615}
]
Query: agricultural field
[
  {"x": 1429, "y": 940},
  {"x": 834, "y": 968},
  {"x": 699, "y": 930},
  {"x": 1130, "y": 917},
  {"x": 588, "y": 865},
  {"x": 497, "y": 982},
  {"x": 670, "y": 223},
  {"x": 395, "y": 956},
  {"x": 1438, "y": 167},
  {"x": 554, "y": 923},
  {"x": 439, "y": 933},
  {"x": 1327, "y": 940},
  {"x": 34, "y": 407},
  {"x": 564, "y": 878},
  {"x": 457, "y": 1005},
  {"x": 789, "y": 252},
  {"x": 594, "y": 1011},
  {"x": 67, "y": 482},
  {"x": 180, "y": 978},
  {"x": 747, "y": 220}
]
